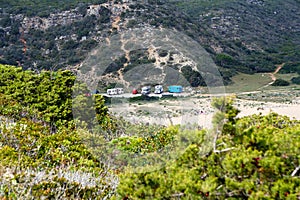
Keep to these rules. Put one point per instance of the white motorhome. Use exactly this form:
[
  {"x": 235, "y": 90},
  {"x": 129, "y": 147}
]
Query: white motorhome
[
  {"x": 120, "y": 90},
  {"x": 115, "y": 91},
  {"x": 146, "y": 90},
  {"x": 158, "y": 89},
  {"x": 112, "y": 91}
]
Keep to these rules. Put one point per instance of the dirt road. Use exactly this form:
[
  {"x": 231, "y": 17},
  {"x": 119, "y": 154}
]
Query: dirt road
[{"x": 272, "y": 75}]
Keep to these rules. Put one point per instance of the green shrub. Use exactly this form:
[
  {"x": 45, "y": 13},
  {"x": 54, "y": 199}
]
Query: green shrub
[
  {"x": 280, "y": 82},
  {"x": 296, "y": 80}
]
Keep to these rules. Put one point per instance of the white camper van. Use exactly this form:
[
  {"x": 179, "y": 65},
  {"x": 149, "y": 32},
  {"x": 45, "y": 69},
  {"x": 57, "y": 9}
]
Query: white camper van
[
  {"x": 158, "y": 89},
  {"x": 120, "y": 90},
  {"x": 146, "y": 90},
  {"x": 115, "y": 91},
  {"x": 112, "y": 91}
]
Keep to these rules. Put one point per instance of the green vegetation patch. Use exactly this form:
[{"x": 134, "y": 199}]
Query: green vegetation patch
[
  {"x": 143, "y": 98},
  {"x": 254, "y": 157},
  {"x": 247, "y": 82},
  {"x": 280, "y": 82},
  {"x": 43, "y": 8}
]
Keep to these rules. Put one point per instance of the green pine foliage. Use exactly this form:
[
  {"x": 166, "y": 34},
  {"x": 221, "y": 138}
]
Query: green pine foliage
[
  {"x": 280, "y": 82},
  {"x": 296, "y": 80},
  {"x": 255, "y": 159},
  {"x": 47, "y": 92},
  {"x": 44, "y": 156},
  {"x": 155, "y": 141}
]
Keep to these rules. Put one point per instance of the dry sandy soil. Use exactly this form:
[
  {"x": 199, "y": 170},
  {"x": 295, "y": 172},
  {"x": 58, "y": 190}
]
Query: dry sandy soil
[{"x": 195, "y": 110}]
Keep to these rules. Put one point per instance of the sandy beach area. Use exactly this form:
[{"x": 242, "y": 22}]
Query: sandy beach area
[{"x": 188, "y": 111}]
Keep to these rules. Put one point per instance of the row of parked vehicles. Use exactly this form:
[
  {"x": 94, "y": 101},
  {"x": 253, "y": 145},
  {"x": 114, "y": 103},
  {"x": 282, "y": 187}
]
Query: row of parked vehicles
[{"x": 158, "y": 89}]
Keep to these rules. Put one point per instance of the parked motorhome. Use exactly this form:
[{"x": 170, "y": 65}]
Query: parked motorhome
[
  {"x": 175, "y": 89},
  {"x": 120, "y": 90},
  {"x": 158, "y": 89},
  {"x": 115, "y": 91},
  {"x": 146, "y": 90},
  {"x": 112, "y": 91}
]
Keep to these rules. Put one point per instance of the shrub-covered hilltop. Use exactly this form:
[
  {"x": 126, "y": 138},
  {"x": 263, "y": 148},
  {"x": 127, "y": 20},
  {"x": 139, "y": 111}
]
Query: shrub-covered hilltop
[
  {"x": 44, "y": 156},
  {"x": 247, "y": 36}
]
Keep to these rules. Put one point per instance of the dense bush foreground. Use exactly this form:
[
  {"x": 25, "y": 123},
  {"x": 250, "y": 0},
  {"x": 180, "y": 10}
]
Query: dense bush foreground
[
  {"x": 42, "y": 155},
  {"x": 260, "y": 161}
]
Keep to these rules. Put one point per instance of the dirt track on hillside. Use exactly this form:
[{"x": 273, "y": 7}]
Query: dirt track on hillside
[{"x": 272, "y": 75}]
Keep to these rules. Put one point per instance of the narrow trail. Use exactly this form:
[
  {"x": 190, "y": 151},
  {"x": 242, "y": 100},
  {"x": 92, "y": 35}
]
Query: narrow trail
[
  {"x": 278, "y": 68},
  {"x": 126, "y": 52},
  {"x": 115, "y": 23},
  {"x": 121, "y": 79},
  {"x": 107, "y": 41},
  {"x": 127, "y": 56},
  {"x": 23, "y": 42},
  {"x": 91, "y": 77},
  {"x": 272, "y": 75}
]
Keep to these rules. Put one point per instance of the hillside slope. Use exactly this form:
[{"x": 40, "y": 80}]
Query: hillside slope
[
  {"x": 257, "y": 33},
  {"x": 240, "y": 36}
]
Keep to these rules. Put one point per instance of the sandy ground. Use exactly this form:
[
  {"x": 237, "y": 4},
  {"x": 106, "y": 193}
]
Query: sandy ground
[
  {"x": 247, "y": 107},
  {"x": 197, "y": 111}
]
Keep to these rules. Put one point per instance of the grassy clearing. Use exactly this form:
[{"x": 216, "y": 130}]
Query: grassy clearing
[
  {"x": 277, "y": 95},
  {"x": 289, "y": 88},
  {"x": 286, "y": 77},
  {"x": 246, "y": 82},
  {"x": 254, "y": 82}
]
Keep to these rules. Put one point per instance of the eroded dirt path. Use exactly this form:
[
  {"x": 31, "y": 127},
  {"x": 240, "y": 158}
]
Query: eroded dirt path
[
  {"x": 272, "y": 75},
  {"x": 107, "y": 41},
  {"x": 278, "y": 68},
  {"x": 115, "y": 23},
  {"x": 126, "y": 52}
]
